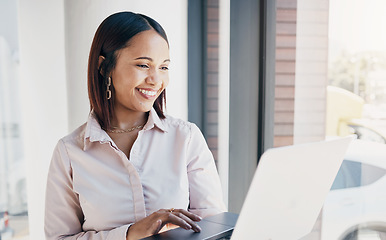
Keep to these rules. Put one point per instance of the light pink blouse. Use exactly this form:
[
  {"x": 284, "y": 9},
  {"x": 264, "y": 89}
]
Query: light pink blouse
[{"x": 95, "y": 192}]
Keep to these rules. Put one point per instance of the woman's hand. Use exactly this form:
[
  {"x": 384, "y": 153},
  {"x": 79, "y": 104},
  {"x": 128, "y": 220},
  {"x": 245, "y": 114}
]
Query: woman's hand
[{"x": 152, "y": 224}]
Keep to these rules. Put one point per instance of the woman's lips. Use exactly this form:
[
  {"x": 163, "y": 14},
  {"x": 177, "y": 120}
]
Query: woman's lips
[{"x": 147, "y": 93}]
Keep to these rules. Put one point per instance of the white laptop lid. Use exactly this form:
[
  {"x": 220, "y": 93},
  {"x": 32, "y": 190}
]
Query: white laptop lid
[{"x": 288, "y": 190}]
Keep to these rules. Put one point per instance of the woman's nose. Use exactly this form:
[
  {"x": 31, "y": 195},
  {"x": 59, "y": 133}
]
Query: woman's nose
[{"x": 153, "y": 77}]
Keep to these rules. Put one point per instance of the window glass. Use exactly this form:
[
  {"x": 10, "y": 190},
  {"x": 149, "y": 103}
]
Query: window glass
[
  {"x": 355, "y": 104},
  {"x": 330, "y": 81}
]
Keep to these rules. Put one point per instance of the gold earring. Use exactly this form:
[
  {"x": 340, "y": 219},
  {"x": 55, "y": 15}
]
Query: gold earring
[{"x": 108, "y": 91}]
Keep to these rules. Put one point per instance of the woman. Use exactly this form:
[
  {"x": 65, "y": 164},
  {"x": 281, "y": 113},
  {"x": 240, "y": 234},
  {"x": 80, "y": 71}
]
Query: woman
[{"x": 129, "y": 170}]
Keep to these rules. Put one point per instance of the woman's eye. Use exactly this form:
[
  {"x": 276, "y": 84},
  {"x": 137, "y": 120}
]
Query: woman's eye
[
  {"x": 142, "y": 66},
  {"x": 165, "y": 68}
]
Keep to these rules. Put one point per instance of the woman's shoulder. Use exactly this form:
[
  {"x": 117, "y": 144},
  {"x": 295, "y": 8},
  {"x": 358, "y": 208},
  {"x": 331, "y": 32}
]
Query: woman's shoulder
[
  {"x": 180, "y": 125},
  {"x": 173, "y": 122},
  {"x": 72, "y": 141}
]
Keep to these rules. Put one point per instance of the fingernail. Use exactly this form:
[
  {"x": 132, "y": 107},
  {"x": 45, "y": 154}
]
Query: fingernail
[{"x": 198, "y": 228}]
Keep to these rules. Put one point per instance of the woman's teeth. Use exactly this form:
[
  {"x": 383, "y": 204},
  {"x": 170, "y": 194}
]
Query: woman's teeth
[{"x": 147, "y": 92}]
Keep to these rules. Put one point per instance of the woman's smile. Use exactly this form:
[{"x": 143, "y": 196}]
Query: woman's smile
[{"x": 147, "y": 93}]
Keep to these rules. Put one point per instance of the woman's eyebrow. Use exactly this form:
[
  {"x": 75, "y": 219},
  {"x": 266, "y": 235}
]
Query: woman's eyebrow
[{"x": 150, "y": 59}]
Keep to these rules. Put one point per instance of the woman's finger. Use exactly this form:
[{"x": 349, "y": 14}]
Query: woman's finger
[
  {"x": 192, "y": 223},
  {"x": 170, "y": 217},
  {"x": 192, "y": 216}
]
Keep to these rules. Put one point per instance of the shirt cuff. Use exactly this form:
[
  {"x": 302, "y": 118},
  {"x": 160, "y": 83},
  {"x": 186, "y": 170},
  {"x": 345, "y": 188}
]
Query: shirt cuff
[{"x": 119, "y": 232}]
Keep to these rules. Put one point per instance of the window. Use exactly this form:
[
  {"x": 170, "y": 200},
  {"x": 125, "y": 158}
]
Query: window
[
  {"x": 208, "y": 91},
  {"x": 330, "y": 71},
  {"x": 356, "y": 69}
]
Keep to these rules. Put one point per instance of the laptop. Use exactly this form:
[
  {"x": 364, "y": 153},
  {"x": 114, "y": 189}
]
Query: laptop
[{"x": 285, "y": 196}]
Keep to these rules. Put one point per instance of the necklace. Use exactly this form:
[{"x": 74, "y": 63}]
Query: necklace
[{"x": 117, "y": 130}]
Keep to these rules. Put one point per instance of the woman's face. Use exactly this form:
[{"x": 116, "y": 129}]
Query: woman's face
[{"x": 141, "y": 72}]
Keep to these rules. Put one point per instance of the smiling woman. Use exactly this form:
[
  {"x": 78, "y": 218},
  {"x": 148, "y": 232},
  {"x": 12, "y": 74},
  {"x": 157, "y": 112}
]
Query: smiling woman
[
  {"x": 113, "y": 54},
  {"x": 130, "y": 169}
]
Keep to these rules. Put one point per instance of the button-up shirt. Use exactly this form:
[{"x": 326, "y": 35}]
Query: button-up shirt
[{"x": 94, "y": 191}]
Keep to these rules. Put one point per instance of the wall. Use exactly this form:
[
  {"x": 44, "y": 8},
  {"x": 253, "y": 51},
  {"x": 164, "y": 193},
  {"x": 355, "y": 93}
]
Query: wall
[
  {"x": 285, "y": 72},
  {"x": 43, "y": 96},
  {"x": 212, "y": 76}
]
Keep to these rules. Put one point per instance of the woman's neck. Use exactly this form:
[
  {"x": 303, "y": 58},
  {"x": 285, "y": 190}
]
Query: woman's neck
[{"x": 126, "y": 120}]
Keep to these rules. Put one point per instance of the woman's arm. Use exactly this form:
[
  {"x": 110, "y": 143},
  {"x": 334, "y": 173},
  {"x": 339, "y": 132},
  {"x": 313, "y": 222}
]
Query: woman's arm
[{"x": 204, "y": 184}]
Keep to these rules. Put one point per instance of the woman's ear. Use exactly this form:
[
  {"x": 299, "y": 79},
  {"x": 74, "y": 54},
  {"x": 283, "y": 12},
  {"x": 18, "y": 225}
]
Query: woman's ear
[{"x": 100, "y": 60}]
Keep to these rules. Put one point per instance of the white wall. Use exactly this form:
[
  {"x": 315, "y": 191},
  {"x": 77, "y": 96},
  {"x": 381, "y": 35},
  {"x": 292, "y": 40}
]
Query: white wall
[
  {"x": 55, "y": 38},
  {"x": 43, "y": 96}
]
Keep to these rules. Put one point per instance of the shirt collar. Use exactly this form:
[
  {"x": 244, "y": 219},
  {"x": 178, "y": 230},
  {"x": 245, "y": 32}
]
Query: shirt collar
[
  {"x": 154, "y": 121},
  {"x": 95, "y": 133}
]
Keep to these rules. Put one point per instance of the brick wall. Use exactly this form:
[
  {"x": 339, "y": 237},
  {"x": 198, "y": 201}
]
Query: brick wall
[
  {"x": 212, "y": 75},
  {"x": 285, "y": 72}
]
